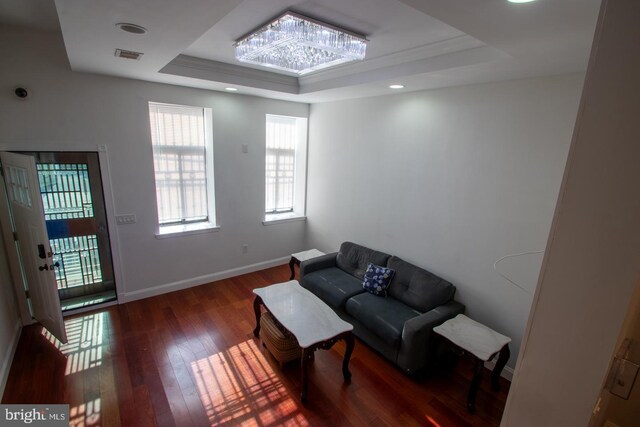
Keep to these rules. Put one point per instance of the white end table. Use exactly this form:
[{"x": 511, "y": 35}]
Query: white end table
[
  {"x": 298, "y": 257},
  {"x": 480, "y": 341}
]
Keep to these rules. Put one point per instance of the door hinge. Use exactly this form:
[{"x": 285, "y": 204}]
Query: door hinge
[
  {"x": 15, "y": 236},
  {"x": 27, "y": 294},
  {"x": 596, "y": 408}
]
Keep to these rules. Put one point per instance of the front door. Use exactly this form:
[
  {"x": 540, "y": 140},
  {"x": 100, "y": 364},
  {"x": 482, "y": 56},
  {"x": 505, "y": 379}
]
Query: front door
[
  {"x": 27, "y": 213},
  {"x": 74, "y": 209}
]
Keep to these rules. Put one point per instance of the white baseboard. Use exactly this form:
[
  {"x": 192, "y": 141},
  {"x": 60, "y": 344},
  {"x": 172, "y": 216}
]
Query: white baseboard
[
  {"x": 8, "y": 356},
  {"x": 200, "y": 280},
  {"x": 507, "y": 372}
]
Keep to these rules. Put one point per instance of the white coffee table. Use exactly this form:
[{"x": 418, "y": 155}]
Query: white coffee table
[
  {"x": 314, "y": 324},
  {"x": 298, "y": 257},
  {"x": 480, "y": 341}
]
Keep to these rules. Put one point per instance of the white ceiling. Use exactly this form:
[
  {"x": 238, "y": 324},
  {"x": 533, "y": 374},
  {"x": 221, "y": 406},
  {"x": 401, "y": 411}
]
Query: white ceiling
[{"x": 420, "y": 43}]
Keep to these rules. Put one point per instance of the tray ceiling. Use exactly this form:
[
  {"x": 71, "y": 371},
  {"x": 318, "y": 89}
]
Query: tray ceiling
[{"x": 420, "y": 43}]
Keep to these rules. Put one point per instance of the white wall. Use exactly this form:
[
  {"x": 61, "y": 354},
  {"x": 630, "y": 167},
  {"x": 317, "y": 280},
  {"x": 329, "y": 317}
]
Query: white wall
[
  {"x": 592, "y": 263},
  {"x": 9, "y": 319},
  {"x": 76, "y": 111},
  {"x": 449, "y": 179}
]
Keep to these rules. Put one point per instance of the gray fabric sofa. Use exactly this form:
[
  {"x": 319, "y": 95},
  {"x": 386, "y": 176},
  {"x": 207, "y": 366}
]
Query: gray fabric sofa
[{"x": 399, "y": 326}]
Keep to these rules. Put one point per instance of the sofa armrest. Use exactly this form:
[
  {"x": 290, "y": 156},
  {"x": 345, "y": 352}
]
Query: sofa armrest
[
  {"x": 416, "y": 335},
  {"x": 319, "y": 263}
]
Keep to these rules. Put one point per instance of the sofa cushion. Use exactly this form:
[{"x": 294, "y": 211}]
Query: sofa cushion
[
  {"x": 417, "y": 287},
  {"x": 384, "y": 317},
  {"x": 377, "y": 280},
  {"x": 354, "y": 259},
  {"x": 333, "y": 286}
]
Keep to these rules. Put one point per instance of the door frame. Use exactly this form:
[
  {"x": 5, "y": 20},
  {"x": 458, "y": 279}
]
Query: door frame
[{"x": 13, "y": 257}]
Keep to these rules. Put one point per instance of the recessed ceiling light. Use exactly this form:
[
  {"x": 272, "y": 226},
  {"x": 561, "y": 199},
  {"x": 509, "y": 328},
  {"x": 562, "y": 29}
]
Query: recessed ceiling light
[
  {"x": 396, "y": 86},
  {"x": 520, "y": 1},
  {"x": 131, "y": 28},
  {"x": 231, "y": 89}
]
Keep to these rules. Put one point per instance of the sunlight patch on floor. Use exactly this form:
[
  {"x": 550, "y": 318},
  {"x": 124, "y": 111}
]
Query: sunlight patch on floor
[
  {"x": 85, "y": 415},
  {"x": 239, "y": 387},
  {"x": 85, "y": 342},
  {"x": 432, "y": 422}
]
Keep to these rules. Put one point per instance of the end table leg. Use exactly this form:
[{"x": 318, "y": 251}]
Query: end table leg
[
  {"x": 256, "y": 309},
  {"x": 292, "y": 262},
  {"x": 475, "y": 384},
  {"x": 503, "y": 358},
  {"x": 307, "y": 354},
  {"x": 347, "y": 356}
]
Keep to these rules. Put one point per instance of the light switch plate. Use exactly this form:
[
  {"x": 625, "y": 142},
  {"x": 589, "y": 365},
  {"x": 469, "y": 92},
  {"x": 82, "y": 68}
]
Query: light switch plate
[{"x": 125, "y": 219}]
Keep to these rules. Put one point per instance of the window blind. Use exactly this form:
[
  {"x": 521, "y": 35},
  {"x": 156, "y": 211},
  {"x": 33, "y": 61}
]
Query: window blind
[
  {"x": 179, "y": 159},
  {"x": 280, "y": 159}
]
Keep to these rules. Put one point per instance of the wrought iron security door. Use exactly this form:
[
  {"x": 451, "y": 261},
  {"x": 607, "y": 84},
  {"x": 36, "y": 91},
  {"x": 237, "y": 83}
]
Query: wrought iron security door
[{"x": 71, "y": 189}]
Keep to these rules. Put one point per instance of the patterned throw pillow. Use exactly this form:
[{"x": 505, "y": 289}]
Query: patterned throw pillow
[{"x": 377, "y": 279}]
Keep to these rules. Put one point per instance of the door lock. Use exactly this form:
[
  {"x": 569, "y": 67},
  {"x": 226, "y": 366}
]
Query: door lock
[{"x": 46, "y": 266}]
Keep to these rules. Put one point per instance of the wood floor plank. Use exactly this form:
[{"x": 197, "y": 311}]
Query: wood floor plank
[
  {"x": 179, "y": 410},
  {"x": 189, "y": 358}
]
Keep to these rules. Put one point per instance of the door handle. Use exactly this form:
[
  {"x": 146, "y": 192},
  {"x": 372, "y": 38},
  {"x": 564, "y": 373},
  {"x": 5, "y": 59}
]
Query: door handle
[
  {"x": 41, "y": 252},
  {"x": 46, "y": 267}
]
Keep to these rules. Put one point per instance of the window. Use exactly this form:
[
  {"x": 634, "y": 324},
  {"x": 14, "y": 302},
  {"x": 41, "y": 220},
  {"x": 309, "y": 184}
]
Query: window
[
  {"x": 183, "y": 164},
  {"x": 285, "y": 167}
]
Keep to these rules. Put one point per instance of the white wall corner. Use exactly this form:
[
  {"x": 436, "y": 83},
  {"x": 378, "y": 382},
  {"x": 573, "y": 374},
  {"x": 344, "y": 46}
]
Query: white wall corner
[{"x": 7, "y": 357}]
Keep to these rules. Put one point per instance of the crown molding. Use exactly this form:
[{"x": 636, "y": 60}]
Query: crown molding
[
  {"x": 425, "y": 66},
  {"x": 454, "y": 44},
  {"x": 204, "y": 69},
  {"x": 453, "y": 52}
]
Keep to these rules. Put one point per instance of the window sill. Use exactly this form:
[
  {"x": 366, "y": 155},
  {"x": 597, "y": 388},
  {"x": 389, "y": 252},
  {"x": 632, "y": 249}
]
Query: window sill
[
  {"x": 186, "y": 230},
  {"x": 283, "y": 217}
]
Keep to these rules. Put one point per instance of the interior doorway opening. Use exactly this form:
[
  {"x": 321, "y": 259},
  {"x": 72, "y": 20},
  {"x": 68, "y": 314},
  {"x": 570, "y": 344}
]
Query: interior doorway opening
[{"x": 76, "y": 220}]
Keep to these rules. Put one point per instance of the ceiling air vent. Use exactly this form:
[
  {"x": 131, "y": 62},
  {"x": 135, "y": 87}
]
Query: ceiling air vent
[{"x": 128, "y": 54}]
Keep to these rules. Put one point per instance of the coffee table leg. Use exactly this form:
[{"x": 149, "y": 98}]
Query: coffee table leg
[
  {"x": 347, "y": 356},
  {"x": 292, "y": 262},
  {"x": 256, "y": 309},
  {"x": 475, "y": 384},
  {"x": 503, "y": 358},
  {"x": 307, "y": 354}
]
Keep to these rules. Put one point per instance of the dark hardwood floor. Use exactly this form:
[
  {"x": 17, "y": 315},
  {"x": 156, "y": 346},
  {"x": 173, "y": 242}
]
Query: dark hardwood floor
[{"x": 189, "y": 358}]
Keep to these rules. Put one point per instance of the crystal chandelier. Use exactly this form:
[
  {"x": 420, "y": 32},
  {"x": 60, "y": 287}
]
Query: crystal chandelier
[{"x": 298, "y": 44}]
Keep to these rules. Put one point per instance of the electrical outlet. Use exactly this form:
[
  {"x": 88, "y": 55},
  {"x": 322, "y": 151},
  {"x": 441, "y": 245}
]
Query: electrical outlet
[
  {"x": 125, "y": 219},
  {"x": 245, "y": 248},
  {"x": 245, "y": 148}
]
